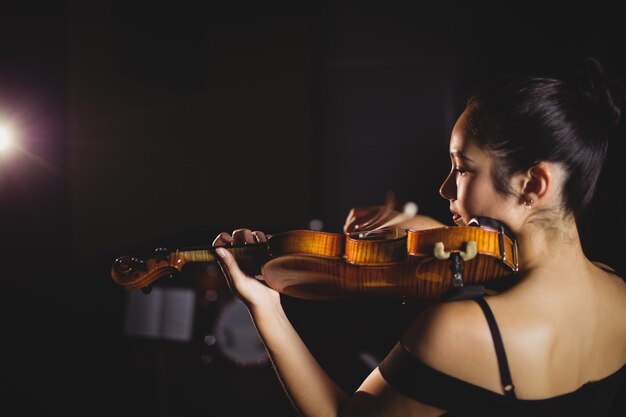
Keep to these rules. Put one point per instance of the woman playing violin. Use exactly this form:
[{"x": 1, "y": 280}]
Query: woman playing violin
[{"x": 527, "y": 151}]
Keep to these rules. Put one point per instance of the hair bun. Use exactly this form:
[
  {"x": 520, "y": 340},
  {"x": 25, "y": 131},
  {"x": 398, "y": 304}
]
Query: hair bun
[{"x": 597, "y": 88}]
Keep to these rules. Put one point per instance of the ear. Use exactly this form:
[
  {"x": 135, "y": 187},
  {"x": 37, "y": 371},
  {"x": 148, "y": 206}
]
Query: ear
[{"x": 537, "y": 182}]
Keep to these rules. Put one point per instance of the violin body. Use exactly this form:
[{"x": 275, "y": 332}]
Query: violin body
[
  {"x": 382, "y": 269},
  {"x": 410, "y": 265}
]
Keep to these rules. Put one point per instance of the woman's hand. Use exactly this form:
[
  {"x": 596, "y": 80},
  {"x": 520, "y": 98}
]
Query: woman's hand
[{"x": 251, "y": 290}]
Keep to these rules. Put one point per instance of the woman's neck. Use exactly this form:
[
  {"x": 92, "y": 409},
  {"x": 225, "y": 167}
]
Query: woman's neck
[{"x": 550, "y": 246}]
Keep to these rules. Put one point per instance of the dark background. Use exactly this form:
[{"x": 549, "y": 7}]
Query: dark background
[{"x": 161, "y": 124}]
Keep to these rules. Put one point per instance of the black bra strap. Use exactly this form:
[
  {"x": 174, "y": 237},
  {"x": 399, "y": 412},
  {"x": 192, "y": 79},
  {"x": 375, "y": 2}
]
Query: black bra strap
[{"x": 505, "y": 374}]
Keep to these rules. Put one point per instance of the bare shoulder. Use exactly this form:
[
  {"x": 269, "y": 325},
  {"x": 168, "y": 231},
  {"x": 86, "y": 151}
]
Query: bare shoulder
[
  {"x": 422, "y": 222},
  {"x": 611, "y": 288},
  {"x": 454, "y": 338},
  {"x": 610, "y": 305}
]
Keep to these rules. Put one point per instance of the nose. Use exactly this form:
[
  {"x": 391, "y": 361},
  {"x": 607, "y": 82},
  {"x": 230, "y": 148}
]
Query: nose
[{"x": 448, "y": 187}]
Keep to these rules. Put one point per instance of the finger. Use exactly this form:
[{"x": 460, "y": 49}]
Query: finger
[
  {"x": 259, "y": 236},
  {"x": 229, "y": 260},
  {"x": 243, "y": 236},
  {"x": 351, "y": 217},
  {"x": 223, "y": 239},
  {"x": 229, "y": 268}
]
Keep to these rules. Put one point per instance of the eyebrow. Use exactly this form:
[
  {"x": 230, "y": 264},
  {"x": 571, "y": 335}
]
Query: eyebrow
[{"x": 461, "y": 156}]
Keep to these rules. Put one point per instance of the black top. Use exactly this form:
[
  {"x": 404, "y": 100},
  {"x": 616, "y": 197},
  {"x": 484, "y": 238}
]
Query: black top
[
  {"x": 409, "y": 375},
  {"x": 503, "y": 363}
]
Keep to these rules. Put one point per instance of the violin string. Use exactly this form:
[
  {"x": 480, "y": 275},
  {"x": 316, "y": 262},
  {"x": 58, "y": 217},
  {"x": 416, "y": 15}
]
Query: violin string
[
  {"x": 383, "y": 213},
  {"x": 409, "y": 211}
]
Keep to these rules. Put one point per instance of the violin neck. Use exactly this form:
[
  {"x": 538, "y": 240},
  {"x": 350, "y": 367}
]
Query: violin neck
[
  {"x": 196, "y": 255},
  {"x": 207, "y": 254}
]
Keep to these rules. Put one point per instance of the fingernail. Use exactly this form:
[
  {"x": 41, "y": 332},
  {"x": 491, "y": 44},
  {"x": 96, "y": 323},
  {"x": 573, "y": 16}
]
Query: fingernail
[{"x": 221, "y": 252}]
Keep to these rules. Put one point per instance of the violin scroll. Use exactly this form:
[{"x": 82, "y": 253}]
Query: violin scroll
[
  {"x": 133, "y": 273},
  {"x": 126, "y": 265}
]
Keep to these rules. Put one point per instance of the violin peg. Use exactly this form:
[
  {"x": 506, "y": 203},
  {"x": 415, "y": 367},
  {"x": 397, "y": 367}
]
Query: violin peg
[{"x": 161, "y": 254}]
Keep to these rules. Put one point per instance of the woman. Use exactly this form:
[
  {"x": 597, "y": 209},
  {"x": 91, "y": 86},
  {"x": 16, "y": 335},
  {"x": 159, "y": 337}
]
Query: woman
[{"x": 526, "y": 151}]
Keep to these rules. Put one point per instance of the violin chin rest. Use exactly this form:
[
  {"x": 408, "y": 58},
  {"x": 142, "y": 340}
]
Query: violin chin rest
[{"x": 463, "y": 293}]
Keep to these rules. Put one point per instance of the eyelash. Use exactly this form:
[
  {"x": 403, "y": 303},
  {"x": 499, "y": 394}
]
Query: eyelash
[{"x": 459, "y": 171}]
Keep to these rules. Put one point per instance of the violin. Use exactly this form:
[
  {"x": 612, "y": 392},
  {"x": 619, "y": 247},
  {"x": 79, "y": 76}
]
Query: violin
[{"x": 443, "y": 263}]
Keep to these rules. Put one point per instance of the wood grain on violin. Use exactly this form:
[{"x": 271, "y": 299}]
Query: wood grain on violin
[{"x": 405, "y": 264}]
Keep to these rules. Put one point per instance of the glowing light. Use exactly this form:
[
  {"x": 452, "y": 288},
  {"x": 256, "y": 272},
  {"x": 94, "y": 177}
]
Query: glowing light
[
  {"x": 6, "y": 138},
  {"x": 316, "y": 224}
]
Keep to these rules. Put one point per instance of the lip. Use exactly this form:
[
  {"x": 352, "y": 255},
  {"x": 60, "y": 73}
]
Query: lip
[{"x": 456, "y": 218}]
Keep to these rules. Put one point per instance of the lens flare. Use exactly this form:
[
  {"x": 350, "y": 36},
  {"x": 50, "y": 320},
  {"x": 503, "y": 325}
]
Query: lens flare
[{"x": 6, "y": 138}]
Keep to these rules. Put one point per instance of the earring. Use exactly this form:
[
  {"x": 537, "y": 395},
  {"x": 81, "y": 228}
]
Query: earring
[{"x": 529, "y": 203}]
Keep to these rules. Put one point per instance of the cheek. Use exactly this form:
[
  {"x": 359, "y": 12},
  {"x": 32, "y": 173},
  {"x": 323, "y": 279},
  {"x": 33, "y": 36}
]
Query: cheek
[{"x": 478, "y": 197}]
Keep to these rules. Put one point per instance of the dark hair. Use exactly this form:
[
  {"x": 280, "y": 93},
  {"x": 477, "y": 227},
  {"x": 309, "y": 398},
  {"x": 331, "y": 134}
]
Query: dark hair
[{"x": 522, "y": 120}]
